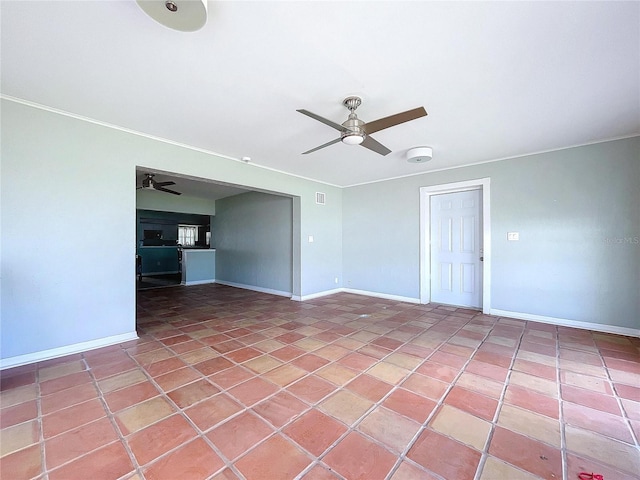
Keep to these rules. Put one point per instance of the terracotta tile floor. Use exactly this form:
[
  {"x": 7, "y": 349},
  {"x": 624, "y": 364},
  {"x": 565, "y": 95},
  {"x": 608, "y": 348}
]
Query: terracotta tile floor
[{"x": 230, "y": 384}]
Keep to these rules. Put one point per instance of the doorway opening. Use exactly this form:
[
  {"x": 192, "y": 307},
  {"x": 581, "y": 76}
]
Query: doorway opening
[
  {"x": 225, "y": 221},
  {"x": 459, "y": 274}
]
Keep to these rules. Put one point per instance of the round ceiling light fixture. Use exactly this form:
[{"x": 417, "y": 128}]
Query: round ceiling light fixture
[
  {"x": 419, "y": 154},
  {"x": 352, "y": 138},
  {"x": 183, "y": 15}
]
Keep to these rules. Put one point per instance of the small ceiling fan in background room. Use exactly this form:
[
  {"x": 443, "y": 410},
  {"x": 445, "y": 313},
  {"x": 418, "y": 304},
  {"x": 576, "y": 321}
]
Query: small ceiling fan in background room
[
  {"x": 356, "y": 132},
  {"x": 148, "y": 183}
]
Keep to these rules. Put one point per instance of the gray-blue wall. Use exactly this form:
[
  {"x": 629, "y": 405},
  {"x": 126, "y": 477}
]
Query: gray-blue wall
[
  {"x": 578, "y": 214},
  {"x": 253, "y": 237},
  {"x": 72, "y": 287}
]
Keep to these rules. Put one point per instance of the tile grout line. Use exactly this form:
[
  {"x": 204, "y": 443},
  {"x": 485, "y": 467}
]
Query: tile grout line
[
  {"x": 317, "y": 459},
  {"x": 340, "y": 388},
  {"x": 563, "y": 435},
  {"x": 614, "y": 395},
  {"x": 41, "y": 416},
  {"x": 403, "y": 455},
  {"x": 43, "y": 452},
  {"x": 618, "y": 398},
  {"x": 496, "y": 415},
  {"x": 114, "y": 424},
  {"x": 199, "y": 433},
  {"x": 249, "y": 409},
  {"x": 352, "y": 428},
  {"x": 440, "y": 402},
  {"x": 99, "y": 398}
]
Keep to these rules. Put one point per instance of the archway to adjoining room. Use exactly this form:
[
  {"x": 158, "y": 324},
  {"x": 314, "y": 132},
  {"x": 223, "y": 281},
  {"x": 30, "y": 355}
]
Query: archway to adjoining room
[{"x": 214, "y": 232}]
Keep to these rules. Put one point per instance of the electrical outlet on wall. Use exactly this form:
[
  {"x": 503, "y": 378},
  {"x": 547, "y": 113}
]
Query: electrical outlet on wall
[{"x": 513, "y": 236}]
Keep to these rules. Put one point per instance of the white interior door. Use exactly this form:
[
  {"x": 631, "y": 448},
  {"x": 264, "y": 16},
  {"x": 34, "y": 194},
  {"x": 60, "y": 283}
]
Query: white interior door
[{"x": 456, "y": 248}]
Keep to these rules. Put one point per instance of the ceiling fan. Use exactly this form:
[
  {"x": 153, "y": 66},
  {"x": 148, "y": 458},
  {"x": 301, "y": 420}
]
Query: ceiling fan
[
  {"x": 149, "y": 183},
  {"x": 356, "y": 132}
]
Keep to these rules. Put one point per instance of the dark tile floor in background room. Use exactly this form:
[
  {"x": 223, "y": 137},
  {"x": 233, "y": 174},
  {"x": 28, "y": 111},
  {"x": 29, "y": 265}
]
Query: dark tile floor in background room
[{"x": 226, "y": 383}]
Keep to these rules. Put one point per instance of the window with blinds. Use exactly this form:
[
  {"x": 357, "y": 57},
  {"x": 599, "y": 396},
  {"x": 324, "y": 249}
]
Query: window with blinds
[{"x": 187, "y": 235}]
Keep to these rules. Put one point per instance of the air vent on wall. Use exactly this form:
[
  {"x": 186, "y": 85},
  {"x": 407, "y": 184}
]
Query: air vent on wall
[{"x": 320, "y": 198}]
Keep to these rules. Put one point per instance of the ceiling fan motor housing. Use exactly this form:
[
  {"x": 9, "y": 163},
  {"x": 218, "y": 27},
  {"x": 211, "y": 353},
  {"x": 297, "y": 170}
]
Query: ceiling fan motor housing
[
  {"x": 354, "y": 127},
  {"x": 147, "y": 182}
]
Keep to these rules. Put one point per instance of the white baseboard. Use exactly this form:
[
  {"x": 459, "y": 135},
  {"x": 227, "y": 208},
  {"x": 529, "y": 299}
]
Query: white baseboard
[
  {"x": 597, "y": 327},
  {"x": 311, "y": 296},
  {"x": 365, "y": 293},
  {"x": 67, "y": 350},
  {"x": 254, "y": 288},
  {"x": 197, "y": 282},
  {"x": 386, "y": 296}
]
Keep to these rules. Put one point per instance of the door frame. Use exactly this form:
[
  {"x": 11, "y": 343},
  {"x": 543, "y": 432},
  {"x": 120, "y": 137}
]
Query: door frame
[{"x": 482, "y": 184}]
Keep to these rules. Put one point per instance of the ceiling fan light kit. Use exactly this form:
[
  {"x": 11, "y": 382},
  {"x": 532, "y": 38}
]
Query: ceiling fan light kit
[
  {"x": 356, "y": 132},
  {"x": 182, "y": 15},
  {"x": 419, "y": 154},
  {"x": 353, "y": 139}
]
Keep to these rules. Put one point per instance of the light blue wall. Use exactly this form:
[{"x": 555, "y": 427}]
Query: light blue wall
[
  {"x": 574, "y": 209},
  {"x": 68, "y": 232},
  {"x": 199, "y": 266},
  {"x": 253, "y": 237},
  {"x": 74, "y": 281}
]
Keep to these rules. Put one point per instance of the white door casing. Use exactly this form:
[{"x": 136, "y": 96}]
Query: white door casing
[
  {"x": 456, "y": 250},
  {"x": 484, "y": 184}
]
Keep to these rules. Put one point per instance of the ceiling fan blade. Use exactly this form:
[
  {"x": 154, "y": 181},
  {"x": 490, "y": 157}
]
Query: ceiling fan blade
[
  {"x": 322, "y": 146},
  {"x": 164, "y": 184},
  {"x": 166, "y": 190},
  {"x": 376, "y": 146},
  {"x": 392, "y": 120},
  {"x": 335, "y": 125}
]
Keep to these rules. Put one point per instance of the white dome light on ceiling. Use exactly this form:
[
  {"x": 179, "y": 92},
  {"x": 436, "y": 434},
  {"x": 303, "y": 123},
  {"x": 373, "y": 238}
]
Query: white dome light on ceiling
[
  {"x": 419, "y": 154},
  {"x": 183, "y": 15}
]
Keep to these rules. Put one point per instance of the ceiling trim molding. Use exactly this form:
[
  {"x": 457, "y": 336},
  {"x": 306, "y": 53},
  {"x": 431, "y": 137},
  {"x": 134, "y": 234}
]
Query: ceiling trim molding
[
  {"x": 613, "y": 139},
  {"x": 82, "y": 118}
]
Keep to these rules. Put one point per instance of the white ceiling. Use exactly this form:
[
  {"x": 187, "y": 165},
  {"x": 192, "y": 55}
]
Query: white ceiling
[{"x": 498, "y": 79}]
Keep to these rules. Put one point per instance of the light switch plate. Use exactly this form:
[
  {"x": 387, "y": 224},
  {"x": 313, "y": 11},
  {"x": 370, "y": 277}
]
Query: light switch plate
[
  {"x": 310, "y": 238},
  {"x": 513, "y": 236}
]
